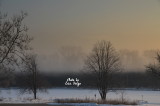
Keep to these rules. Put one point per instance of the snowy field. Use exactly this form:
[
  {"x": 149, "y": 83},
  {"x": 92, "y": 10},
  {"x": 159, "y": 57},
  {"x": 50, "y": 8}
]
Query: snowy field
[{"x": 149, "y": 98}]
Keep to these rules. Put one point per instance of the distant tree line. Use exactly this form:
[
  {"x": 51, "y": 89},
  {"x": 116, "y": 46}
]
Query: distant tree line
[{"x": 88, "y": 80}]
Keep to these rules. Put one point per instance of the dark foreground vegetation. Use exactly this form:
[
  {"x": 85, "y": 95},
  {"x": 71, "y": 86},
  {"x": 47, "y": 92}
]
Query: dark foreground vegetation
[
  {"x": 113, "y": 102},
  {"x": 119, "y": 80},
  {"x": 7, "y": 104}
]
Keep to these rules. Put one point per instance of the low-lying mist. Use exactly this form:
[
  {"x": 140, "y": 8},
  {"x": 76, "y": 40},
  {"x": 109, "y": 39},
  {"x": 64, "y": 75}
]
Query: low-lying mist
[{"x": 71, "y": 59}]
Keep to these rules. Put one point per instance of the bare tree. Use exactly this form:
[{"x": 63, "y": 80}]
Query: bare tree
[
  {"x": 14, "y": 40},
  {"x": 33, "y": 82},
  {"x": 154, "y": 69},
  {"x": 103, "y": 61},
  {"x": 122, "y": 95}
]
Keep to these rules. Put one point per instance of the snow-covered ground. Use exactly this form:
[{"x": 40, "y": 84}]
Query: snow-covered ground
[{"x": 149, "y": 98}]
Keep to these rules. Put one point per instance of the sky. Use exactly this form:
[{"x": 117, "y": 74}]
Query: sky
[{"x": 65, "y": 31}]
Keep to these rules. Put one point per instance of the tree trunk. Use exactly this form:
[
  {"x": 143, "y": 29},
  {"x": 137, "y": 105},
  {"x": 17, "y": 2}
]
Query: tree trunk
[
  {"x": 35, "y": 95},
  {"x": 35, "y": 83},
  {"x": 103, "y": 95}
]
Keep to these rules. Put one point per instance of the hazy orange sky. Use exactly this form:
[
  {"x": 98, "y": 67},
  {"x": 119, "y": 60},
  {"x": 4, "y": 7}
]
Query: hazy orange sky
[{"x": 55, "y": 24}]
